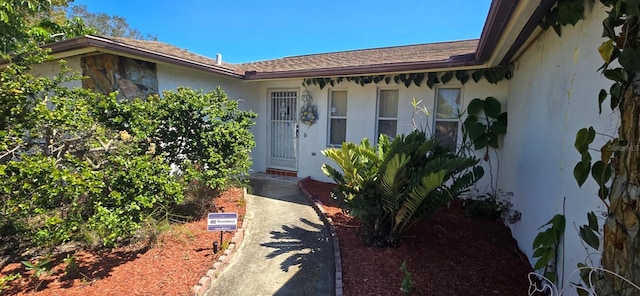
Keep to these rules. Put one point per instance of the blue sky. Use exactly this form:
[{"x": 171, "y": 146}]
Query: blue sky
[{"x": 254, "y": 30}]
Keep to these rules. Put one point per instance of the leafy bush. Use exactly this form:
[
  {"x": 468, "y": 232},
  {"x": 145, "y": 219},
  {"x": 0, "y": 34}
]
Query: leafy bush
[
  {"x": 77, "y": 165},
  {"x": 391, "y": 186},
  {"x": 491, "y": 206},
  {"x": 205, "y": 134}
]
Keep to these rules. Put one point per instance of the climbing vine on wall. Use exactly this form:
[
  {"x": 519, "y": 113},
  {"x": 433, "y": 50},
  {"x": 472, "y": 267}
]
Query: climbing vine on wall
[
  {"x": 563, "y": 13},
  {"x": 617, "y": 169},
  {"x": 491, "y": 75}
]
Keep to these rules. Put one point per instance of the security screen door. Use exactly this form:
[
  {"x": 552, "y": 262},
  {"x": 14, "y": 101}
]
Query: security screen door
[{"x": 283, "y": 152}]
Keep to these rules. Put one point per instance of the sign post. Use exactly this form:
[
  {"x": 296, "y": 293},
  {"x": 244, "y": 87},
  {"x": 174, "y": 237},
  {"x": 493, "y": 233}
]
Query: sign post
[{"x": 221, "y": 222}]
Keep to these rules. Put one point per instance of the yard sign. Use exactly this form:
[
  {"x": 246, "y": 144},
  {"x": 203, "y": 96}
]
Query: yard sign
[{"x": 222, "y": 221}]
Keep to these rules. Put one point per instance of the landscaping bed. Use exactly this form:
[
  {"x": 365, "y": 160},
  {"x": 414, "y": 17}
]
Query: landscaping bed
[
  {"x": 450, "y": 254},
  {"x": 171, "y": 265}
]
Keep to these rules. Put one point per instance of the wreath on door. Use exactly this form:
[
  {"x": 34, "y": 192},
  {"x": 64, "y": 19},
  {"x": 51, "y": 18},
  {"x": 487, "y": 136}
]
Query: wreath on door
[{"x": 308, "y": 112}]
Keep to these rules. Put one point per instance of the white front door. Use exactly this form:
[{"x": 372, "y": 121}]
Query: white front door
[{"x": 283, "y": 152}]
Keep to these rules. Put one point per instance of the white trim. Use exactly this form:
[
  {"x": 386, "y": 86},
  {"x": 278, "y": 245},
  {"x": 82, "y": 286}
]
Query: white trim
[
  {"x": 461, "y": 108},
  {"x": 378, "y": 118},
  {"x": 330, "y": 116}
]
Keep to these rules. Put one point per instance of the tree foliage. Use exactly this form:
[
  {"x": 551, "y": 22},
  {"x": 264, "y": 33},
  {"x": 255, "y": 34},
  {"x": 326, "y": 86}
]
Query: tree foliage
[
  {"x": 108, "y": 25},
  {"x": 77, "y": 165}
]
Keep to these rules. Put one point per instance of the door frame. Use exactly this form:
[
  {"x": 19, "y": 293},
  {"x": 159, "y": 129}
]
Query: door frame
[{"x": 270, "y": 138}]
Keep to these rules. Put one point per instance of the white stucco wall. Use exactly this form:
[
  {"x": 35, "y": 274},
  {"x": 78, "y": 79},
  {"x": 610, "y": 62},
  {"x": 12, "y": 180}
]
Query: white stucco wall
[
  {"x": 51, "y": 68},
  {"x": 552, "y": 95},
  {"x": 361, "y": 113}
]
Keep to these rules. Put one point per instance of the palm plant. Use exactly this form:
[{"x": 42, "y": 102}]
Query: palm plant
[{"x": 393, "y": 185}]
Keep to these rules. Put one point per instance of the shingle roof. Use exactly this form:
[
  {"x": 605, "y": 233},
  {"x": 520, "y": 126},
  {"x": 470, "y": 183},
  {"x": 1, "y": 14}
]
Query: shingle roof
[
  {"x": 354, "y": 58},
  {"x": 366, "y": 57},
  {"x": 345, "y": 63},
  {"x": 174, "y": 51}
]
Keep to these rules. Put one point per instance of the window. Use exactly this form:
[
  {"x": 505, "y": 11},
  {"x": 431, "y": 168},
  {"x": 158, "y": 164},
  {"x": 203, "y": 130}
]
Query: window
[
  {"x": 447, "y": 110},
  {"x": 338, "y": 117},
  {"x": 388, "y": 112}
]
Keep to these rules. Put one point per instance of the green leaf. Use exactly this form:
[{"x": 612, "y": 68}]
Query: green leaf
[
  {"x": 432, "y": 79},
  {"x": 546, "y": 258},
  {"x": 491, "y": 76},
  {"x": 492, "y": 140},
  {"x": 462, "y": 76},
  {"x": 629, "y": 60},
  {"x": 477, "y": 75},
  {"x": 498, "y": 128},
  {"x": 322, "y": 83},
  {"x": 617, "y": 74},
  {"x": 616, "y": 92},
  {"x": 481, "y": 142},
  {"x": 593, "y": 221},
  {"x": 503, "y": 118},
  {"x": 584, "y": 137},
  {"x": 418, "y": 79},
  {"x": 492, "y": 107},
  {"x": 537, "y": 241},
  {"x": 539, "y": 252},
  {"x": 601, "y": 173},
  {"x": 446, "y": 77},
  {"x": 558, "y": 223},
  {"x": 581, "y": 172},
  {"x": 475, "y": 106},
  {"x": 473, "y": 127},
  {"x": 601, "y": 97},
  {"x": 589, "y": 237},
  {"x": 551, "y": 276}
]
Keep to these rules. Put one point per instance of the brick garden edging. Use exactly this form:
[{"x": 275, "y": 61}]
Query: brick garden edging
[
  {"x": 212, "y": 274},
  {"x": 317, "y": 206}
]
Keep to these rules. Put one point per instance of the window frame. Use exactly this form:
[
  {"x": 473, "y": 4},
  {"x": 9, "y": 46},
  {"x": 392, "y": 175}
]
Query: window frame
[
  {"x": 378, "y": 105},
  {"x": 331, "y": 117},
  {"x": 456, "y": 120}
]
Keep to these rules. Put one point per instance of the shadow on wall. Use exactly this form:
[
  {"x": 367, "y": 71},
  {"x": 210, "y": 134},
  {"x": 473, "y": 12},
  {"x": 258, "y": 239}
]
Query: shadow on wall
[{"x": 308, "y": 250}]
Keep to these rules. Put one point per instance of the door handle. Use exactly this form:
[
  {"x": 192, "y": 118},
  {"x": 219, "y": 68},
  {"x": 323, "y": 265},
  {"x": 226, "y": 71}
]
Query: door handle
[{"x": 297, "y": 130}]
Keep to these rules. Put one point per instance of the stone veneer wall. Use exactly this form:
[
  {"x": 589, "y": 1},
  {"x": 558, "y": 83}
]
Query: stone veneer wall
[{"x": 131, "y": 78}]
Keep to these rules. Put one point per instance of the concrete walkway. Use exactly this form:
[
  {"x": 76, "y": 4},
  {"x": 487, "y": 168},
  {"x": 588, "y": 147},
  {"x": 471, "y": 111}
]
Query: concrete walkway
[{"x": 286, "y": 250}]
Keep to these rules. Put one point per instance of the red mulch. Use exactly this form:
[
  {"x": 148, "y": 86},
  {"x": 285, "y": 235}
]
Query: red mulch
[
  {"x": 171, "y": 266},
  {"x": 450, "y": 254}
]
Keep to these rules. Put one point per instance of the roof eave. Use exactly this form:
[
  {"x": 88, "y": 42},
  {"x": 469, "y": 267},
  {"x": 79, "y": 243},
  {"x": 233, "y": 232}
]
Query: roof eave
[
  {"x": 106, "y": 44},
  {"x": 529, "y": 28},
  {"x": 499, "y": 14},
  {"x": 453, "y": 62}
]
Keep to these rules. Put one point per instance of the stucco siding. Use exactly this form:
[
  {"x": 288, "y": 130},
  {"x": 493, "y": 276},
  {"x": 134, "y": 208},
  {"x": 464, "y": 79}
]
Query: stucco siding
[
  {"x": 552, "y": 95},
  {"x": 361, "y": 117},
  {"x": 51, "y": 68}
]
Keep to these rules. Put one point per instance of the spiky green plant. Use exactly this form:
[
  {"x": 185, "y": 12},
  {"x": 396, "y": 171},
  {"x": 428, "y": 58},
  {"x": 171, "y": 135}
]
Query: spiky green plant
[{"x": 393, "y": 185}]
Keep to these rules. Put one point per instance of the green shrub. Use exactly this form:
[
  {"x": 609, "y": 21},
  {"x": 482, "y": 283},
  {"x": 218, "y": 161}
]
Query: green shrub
[
  {"x": 79, "y": 165},
  {"x": 391, "y": 186},
  {"x": 205, "y": 134}
]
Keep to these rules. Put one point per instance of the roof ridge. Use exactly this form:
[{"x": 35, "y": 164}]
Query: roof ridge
[
  {"x": 359, "y": 50},
  {"x": 227, "y": 65}
]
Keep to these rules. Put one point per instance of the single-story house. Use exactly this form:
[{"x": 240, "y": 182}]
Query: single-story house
[{"x": 551, "y": 92}]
